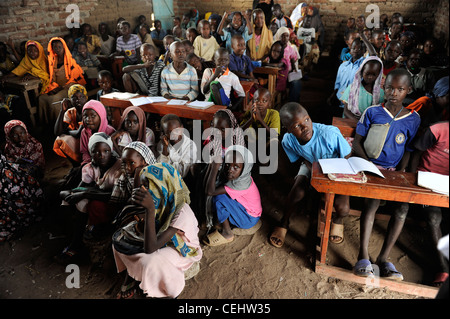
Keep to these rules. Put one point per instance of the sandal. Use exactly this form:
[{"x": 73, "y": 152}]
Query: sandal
[
  {"x": 363, "y": 268},
  {"x": 127, "y": 291},
  {"x": 248, "y": 231},
  {"x": 389, "y": 271},
  {"x": 68, "y": 256},
  {"x": 337, "y": 230},
  {"x": 439, "y": 279},
  {"x": 216, "y": 239},
  {"x": 277, "y": 237}
]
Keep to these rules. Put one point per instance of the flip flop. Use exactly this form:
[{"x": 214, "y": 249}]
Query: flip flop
[
  {"x": 337, "y": 230},
  {"x": 279, "y": 233},
  {"x": 440, "y": 278},
  {"x": 363, "y": 268},
  {"x": 388, "y": 271},
  {"x": 216, "y": 239},
  {"x": 249, "y": 231},
  {"x": 130, "y": 289}
]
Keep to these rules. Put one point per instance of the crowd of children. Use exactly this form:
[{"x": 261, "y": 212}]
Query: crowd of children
[{"x": 138, "y": 181}]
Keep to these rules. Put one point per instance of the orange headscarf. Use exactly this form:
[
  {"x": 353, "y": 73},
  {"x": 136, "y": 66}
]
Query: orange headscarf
[{"x": 74, "y": 73}]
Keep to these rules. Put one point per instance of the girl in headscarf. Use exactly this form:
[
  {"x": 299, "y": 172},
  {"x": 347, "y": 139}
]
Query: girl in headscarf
[
  {"x": 237, "y": 202},
  {"x": 133, "y": 127},
  {"x": 94, "y": 120},
  {"x": 22, "y": 148},
  {"x": 68, "y": 125},
  {"x": 313, "y": 20},
  {"x": 298, "y": 15},
  {"x": 34, "y": 63},
  {"x": 259, "y": 45},
  {"x": 169, "y": 231},
  {"x": 63, "y": 72},
  {"x": 365, "y": 89},
  {"x": 290, "y": 51}
]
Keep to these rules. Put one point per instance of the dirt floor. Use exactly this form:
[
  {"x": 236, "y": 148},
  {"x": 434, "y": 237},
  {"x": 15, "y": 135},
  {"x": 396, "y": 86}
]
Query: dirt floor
[{"x": 248, "y": 268}]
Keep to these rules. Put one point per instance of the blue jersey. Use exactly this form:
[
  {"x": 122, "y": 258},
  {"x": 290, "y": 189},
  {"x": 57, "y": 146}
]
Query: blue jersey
[
  {"x": 400, "y": 134},
  {"x": 326, "y": 142}
]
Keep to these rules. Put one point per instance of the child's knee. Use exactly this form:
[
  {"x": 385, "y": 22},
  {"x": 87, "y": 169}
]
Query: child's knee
[
  {"x": 434, "y": 216},
  {"x": 402, "y": 211},
  {"x": 342, "y": 205}
]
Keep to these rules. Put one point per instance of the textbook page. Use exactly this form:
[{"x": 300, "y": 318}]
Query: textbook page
[
  {"x": 200, "y": 104},
  {"x": 139, "y": 101},
  {"x": 156, "y": 99},
  {"x": 353, "y": 165},
  {"x": 360, "y": 164},
  {"x": 436, "y": 182},
  {"x": 177, "y": 102},
  {"x": 120, "y": 95}
]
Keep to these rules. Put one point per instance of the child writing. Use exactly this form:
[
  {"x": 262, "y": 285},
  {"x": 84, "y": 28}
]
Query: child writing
[
  {"x": 175, "y": 147},
  {"x": 205, "y": 45},
  {"x": 133, "y": 127},
  {"x": 238, "y": 201},
  {"x": 365, "y": 89},
  {"x": 217, "y": 83},
  {"x": 91, "y": 197},
  {"x": 310, "y": 142},
  {"x": 241, "y": 64},
  {"x": 240, "y": 24},
  {"x": 394, "y": 155}
]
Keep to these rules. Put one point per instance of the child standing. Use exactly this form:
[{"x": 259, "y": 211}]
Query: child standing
[
  {"x": 350, "y": 36},
  {"x": 217, "y": 83},
  {"x": 133, "y": 127},
  {"x": 310, "y": 142},
  {"x": 241, "y": 64},
  {"x": 205, "y": 45},
  {"x": 238, "y": 201},
  {"x": 391, "y": 53},
  {"x": 240, "y": 24},
  {"x": 365, "y": 89},
  {"x": 277, "y": 59},
  {"x": 128, "y": 44},
  {"x": 394, "y": 155},
  {"x": 259, "y": 44}
]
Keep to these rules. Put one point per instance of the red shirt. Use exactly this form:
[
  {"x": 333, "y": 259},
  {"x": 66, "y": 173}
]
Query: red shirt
[{"x": 435, "y": 158}]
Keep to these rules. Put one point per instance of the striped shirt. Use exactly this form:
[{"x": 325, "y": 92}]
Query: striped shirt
[
  {"x": 152, "y": 80},
  {"x": 133, "y": 45},
  {"x": 179, "y": 85}
]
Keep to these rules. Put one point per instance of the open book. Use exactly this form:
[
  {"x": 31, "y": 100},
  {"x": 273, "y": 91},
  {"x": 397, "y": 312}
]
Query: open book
[
  {"x": 200, "y": 104},
  {"x": 120, "y": 95},
  {"x": 436, "y": 182},
  {"x": 353, "y": 165}
]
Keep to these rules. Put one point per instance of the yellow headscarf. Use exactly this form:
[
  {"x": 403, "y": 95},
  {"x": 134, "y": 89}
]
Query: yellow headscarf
[
  {"x": 37, "y": 67},
  {"x": 264, "y": 44}
]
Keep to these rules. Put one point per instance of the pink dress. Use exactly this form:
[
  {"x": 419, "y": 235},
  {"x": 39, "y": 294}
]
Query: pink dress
[{"x": 162, "y": 273}]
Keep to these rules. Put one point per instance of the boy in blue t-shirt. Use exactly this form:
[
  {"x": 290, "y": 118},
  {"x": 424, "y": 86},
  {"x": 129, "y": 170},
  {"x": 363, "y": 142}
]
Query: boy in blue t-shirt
[
  {"x": 310, "y": 142},
  {"x": 394, "y": 156}
]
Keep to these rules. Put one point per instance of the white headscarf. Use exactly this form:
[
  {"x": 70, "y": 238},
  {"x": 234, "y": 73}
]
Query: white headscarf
[
  {"x": 297, "y": 13},
  {"x": 244, "y": 181},
  {"x": 99, "y": 137}
]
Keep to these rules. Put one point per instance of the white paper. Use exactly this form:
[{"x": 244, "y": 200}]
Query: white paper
[
  {"x": 177, "y": 102},
  {"x": 436, "y": 182},
  {"x": 139, "y": 101},
  {"x": 353, "y": 165},
  {"x": 120, "y": 95},
  {"x": 156, "y": 99},
  {"x": 201, "y": 104}
]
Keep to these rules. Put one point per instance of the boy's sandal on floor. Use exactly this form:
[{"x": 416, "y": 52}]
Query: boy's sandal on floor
[
  {"x": 249, "y": 231},
  {"x": 439, "y": 279},
  {"x": 337, "y": 230},
  {"x": 363, "y": 268},
  {"x": 127, "y": 291},
  {"x": 216, "y": 239},
  {"x": 388, "y": 271},
  {"x": 67, "y": 256},
  {"x": 277, "y": 237}
]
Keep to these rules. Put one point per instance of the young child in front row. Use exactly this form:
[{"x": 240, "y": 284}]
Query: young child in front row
[
  {"x": 394, "y": 155},
  {"x": 238, "y": 201},
  {"x": 310, "y": 142},
  {"x": 217, "y": 83},
  {"x": 205, "y": 45},
  {"x": 241, "y": 64}
]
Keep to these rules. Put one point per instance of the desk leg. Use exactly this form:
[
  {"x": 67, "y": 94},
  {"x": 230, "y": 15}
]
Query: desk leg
[
  {"x": 329, "y": 200},
  {"x": 30, "y": 108},
  {"x": 272, "y": 85}
]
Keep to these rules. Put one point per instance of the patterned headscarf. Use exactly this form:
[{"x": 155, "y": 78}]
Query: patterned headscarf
[
  {"x": 353, "y": 99},
  {"x": 170, "y": 194},
  {"x": 142, "y": 149},
  {"x": 75, "y": 89}
]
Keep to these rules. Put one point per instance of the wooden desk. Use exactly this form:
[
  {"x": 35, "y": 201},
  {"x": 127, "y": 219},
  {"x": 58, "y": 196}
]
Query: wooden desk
[
  {"x": 272, "y": 73},
  {"x": 247, "y": 86},
  {"x": 24, "y": 87},
  {"x": 117, "y": 106},
  {"x": 397, "y": 186},
  {"x": 346, "y": 126}
]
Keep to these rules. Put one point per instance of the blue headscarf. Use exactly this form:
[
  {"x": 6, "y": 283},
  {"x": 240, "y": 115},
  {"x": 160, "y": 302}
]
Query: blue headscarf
[{"x": 441, "y": 87}]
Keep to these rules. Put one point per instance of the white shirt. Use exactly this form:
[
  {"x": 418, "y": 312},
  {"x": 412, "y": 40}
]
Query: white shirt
[
  {"x": 228, "y": 80},
  {"x": 181, "y": 155}
]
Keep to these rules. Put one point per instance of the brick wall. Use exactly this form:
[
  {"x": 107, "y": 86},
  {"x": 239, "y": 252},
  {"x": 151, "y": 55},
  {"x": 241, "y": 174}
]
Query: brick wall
[
  {"x": 43, "y": 19},
  {"x": 441, "y": 27}
]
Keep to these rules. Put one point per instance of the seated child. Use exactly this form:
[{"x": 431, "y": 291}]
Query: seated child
[
  {"x": 170, "y": 245},
  {"x": 240, "y": 24},
  {"x": 205, "y": 45},
  {"x": 105, "y": 81},
  {"x": 133, "y": 127},
  {"x": 408, "y": 42},
  {"x": 217, "y": 83},
  {"x": 214, "y": 21},
  {"x": 200, "y": 66},
  {"x": 188, "y": 46},
  {"x": 192, "y": 34},
  {"x": 23, "y": 149},
  {"x": 391, "y": 53},
  {"x": 166, "y": 57},
  {"x": 277, "y": 59},
  {"x": 349, "y": 38},
  {"x": 144, "y": 78},
  {"x": 310, "y": 142},
  {"x": 237, "y": 201},
  {"x": 107, "y": 42},
  {"x": 92, "y": 41},
  {"x": 175, "y": 147},
  {"x": 241, "y": 64},
  {"x": 365, "y": 89},
  {"x": 280, "y": 18},
  {"x": 394, "y": 31},
  {"x": 87, "y": 61},
  {"x": 90, "y": 198},
  {"x": 68, "y": 125},
  {"x": 431, "y": 155},
  {"x": 179, "y": 79},
  {"x": 144, "y": 34},
  {"x": 377, "y": 41},
  {"x": 187, "y": 22},
  {"x": 128, "y": 44},
  {"x": 433, "y": 54},
  {"x": 94, "y": 120},
  {"x": 158, "y": 34},
  {"x": 394, "y": 156}
]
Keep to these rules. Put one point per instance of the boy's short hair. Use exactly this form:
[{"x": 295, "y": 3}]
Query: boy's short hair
[
  {"x": 262, "y": 91},
  {"x": 106, "y": 74},
  {"x": 170, "y": 117},
  {"x": 81, "y": 43},
  {"x": 360, "y": 42},
  {"x": 289, "y": 110},
  {"x": 177, "y": 18},
  {"x": 126, "y": 23},
  {"x": 188, "y": 43},
  {"x": 377, "y": 31},
  {"x": 190, "y": 56},
  {"x": 221, "y": 51},
  {"x": 399, "y": 72},
  {"x": 415, "y": 51},
  {"x": 347, "y": 34},
  {"x": 201, "y": 22},
  {"x": 192, "y": 29},
  {"x": 276, "y": 6},
  {"x": 236, "y": 37}
]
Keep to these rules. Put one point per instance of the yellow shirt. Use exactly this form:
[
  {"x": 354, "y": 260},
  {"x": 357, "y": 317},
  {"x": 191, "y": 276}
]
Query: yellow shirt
[{"x": 205, "y": 48}]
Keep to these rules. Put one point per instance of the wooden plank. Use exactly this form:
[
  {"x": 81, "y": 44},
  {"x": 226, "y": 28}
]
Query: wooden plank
[
  {"x": 377, "y": 282},
  {"x": 346, "y": 126}
]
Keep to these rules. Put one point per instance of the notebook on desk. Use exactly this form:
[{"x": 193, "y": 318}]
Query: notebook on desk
[{"x": 200, "y": 104}]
